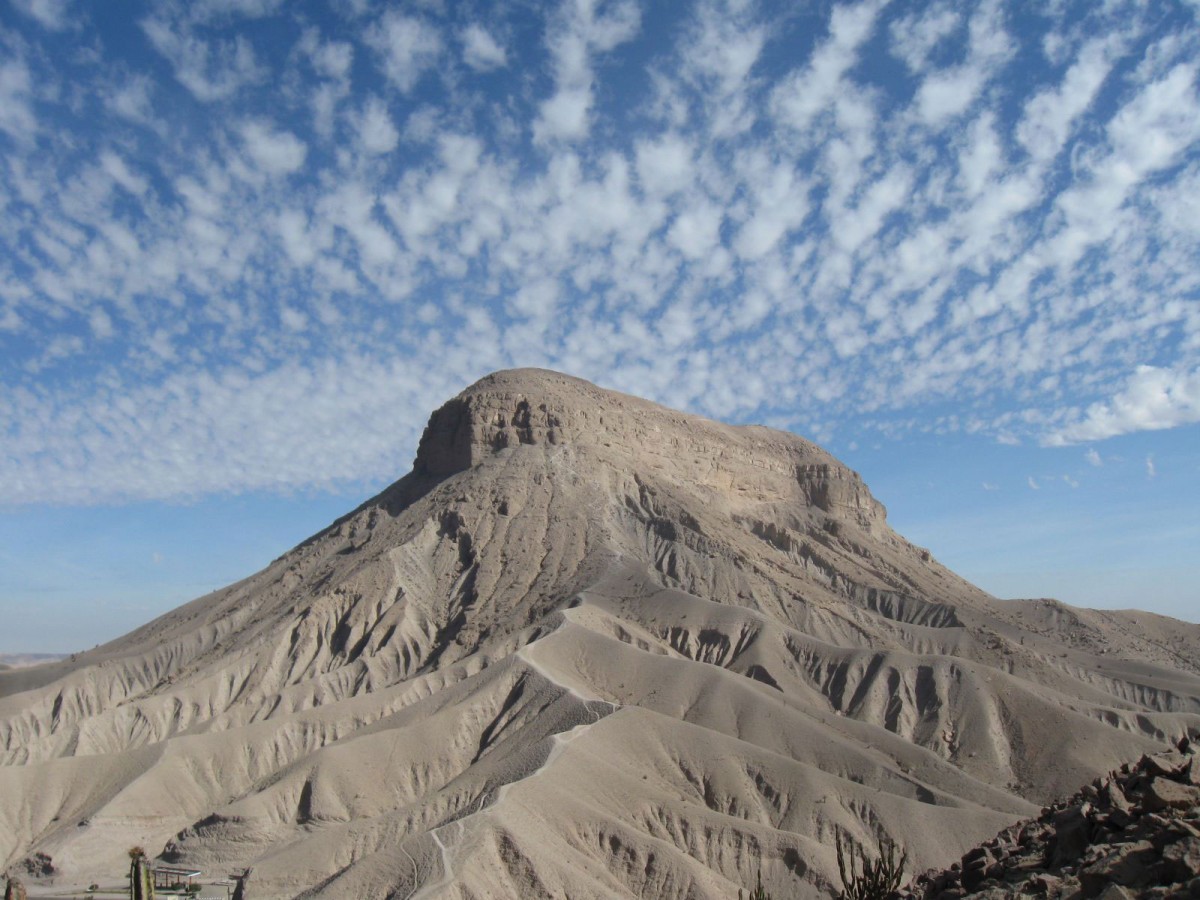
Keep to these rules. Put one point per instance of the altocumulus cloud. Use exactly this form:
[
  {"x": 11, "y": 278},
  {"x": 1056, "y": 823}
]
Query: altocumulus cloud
[
  {"x": 248, "y": 246},
  {"x": 1152, "y": 399}
]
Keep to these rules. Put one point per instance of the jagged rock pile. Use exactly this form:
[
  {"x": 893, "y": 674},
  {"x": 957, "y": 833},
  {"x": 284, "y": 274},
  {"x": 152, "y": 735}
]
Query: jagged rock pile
[{"x": 1133, "y": 833}]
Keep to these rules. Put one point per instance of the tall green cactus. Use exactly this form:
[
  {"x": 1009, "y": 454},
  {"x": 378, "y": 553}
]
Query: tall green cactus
[{"x": 141, "y": 878}]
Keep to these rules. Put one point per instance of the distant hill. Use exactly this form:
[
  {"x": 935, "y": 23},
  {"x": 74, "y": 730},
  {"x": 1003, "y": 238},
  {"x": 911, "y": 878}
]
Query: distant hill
[
  {"x": 23, "y": 660},
  {"x": 588, "y": 647}
]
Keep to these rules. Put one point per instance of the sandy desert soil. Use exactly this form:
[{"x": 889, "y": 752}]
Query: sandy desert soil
[{"x": 588, "y": 645}]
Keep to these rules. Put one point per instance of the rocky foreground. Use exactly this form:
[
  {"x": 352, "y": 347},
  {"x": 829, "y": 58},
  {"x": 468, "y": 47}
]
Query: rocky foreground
[{"x": 1132, "y": 833}]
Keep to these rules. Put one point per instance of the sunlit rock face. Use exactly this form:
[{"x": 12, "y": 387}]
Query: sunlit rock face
[{"x": 588, "y": 646}]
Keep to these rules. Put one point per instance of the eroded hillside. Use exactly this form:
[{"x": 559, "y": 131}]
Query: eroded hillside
[{"x": 587, "y": 644}]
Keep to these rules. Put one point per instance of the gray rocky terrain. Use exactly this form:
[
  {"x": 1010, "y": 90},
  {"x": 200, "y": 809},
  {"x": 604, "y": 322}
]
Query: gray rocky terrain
[
  {"x": 1132, "y": 833},
  {"x": 588, "y": 646}
]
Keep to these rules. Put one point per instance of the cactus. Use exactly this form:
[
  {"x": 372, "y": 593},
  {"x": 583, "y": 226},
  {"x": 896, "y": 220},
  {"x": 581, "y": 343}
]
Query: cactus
[
  {"x": 759, "y": 892},
  {"x": 877, "y": 880},
  {"x": 241, "y": 892},
  {"x": 141, "y": 877}
]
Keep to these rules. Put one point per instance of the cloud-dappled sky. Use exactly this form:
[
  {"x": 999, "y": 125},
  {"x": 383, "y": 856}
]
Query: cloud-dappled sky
[{"x": 246, "y": 246}]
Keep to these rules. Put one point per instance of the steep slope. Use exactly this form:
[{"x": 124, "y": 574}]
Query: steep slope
[{"x": 588, "y": 643}]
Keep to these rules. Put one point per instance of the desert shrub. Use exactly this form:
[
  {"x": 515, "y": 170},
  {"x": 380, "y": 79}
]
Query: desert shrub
[
  {"x": 877, "y": 879},
  {"x": 759, "y": 893}
]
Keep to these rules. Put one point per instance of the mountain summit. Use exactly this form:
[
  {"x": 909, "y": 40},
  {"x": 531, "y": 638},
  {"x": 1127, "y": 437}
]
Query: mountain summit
[{"x": 589, "y": 646}]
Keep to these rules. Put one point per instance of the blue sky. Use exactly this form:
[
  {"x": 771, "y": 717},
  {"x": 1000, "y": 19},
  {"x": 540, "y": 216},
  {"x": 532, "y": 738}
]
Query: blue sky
[{"x": 247, "y": 246}]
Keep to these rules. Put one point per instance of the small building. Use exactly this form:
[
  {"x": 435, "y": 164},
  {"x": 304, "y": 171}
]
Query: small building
[{"x": 169, "y": 877}]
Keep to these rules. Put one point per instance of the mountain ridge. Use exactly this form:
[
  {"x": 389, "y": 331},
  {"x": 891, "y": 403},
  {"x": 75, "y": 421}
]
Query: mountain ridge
[{"x": 454, "y": 689}]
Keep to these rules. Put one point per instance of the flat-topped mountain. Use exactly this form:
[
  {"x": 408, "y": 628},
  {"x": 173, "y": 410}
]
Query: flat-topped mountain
[{"x": 588, "y": 646}]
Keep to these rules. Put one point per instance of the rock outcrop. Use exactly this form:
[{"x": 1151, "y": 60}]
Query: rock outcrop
[{"x": 1132, "y": 833}]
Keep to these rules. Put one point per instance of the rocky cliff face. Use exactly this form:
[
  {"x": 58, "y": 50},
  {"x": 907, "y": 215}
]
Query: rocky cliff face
[
  {"x": 589, "y": 645},
  {"x": 513, "y": 409}
]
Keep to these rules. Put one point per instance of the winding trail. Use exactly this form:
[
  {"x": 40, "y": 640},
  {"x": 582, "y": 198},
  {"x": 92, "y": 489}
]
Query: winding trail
[
  {"x": 562, "y": 739},
  {"x": 526, "y": 656},
  {"x": 447, "y": 868},
  {"x": 560, "y": 742}
]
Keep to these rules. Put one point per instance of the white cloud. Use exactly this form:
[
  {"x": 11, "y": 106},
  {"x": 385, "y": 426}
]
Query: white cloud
[
  {"x": 331, "y": 59},
  {"x": 1146, "y": 135},
  {"x": 879, "y": 199},
  {"x": 131, "y": 99},
  {"x": 947, "y": 93},
  {"x": 1033, "y": 483},
  {"x": 211, "y": 70},
  {"x": 409, "y": 47},
  {"x": 981, "y": 156},
  {"x": 16, "y": 109},
  {"x": 1093, "y": 457},
  {"x": 779, "y": 204},
  {"x": 1152, "y": 399},
  {"x": 914, "y": 37},
  {"x": 481, "y": 51},
  {"x": 1150, "y": 130},
  {"x": 726, "y": 46},
  {"x": 607, "y": 31},
  {"x": 324, "y": 105},
  {"x": 52, "y": 14},
  {"x": 276, "y": 152},
  {"x": 577, "y": 34},
  {"x": 232, "y": 430},
  {"x": 696, "y": 231},
  {"x": 116, "y": 168},
  {"x": 665, "y": 165},
  {"x": 565, "y": 115},
  {"x": 791, "y": 247},
  {"x": 352, "y": 207},
  {"x": 101, "y": 323},
  {"x": 301, "y": 243},
  {"x": 376, "y": 133},
  {"x": 1150, "y": 470},
  {"x": 1050, "y": 115},
  {"x": 293, "y": 319},
  {"x": 805, "y": 94},
  {"x": 215, "y": 9}
]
